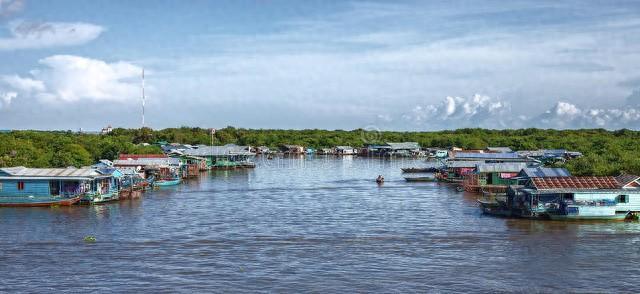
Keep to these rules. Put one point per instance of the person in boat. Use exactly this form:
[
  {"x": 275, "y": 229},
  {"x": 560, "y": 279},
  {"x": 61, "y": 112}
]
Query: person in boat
[{"x": 380, "y": 179}]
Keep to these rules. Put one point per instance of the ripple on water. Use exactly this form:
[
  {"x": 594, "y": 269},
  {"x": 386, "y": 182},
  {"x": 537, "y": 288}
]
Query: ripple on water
[{"x": 318, "y": 225}]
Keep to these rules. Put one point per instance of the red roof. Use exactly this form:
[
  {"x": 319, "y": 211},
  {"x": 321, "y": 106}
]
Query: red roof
[
  {"x": 138, "y": 156},
  {"x": 549, "y": 183}
]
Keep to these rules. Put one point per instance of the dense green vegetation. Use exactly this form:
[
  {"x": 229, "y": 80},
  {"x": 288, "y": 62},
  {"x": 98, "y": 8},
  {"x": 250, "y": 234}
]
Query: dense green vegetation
[{"x": 606, "y": 152}]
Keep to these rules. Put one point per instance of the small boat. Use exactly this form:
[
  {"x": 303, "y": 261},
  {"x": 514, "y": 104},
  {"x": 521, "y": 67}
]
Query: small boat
[
  {"x": 95, "y": 198},
  {"x": 418, "y": 170},
  {"x": 420, "y": 179},
  {"x": 575, "y": 217},
  {"x": 495, "y": 208},
  {"x": 38, "y": 201},
  {"x": 167, "y": 182}
]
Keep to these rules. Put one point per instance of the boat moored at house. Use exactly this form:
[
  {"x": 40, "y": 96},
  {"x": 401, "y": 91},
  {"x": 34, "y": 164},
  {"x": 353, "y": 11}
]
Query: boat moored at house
[{"x": 21, "y": 186}]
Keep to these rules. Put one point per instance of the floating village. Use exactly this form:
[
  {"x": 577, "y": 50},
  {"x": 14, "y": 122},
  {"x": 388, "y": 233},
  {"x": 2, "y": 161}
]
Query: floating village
[{"x": 508, "y": 183}]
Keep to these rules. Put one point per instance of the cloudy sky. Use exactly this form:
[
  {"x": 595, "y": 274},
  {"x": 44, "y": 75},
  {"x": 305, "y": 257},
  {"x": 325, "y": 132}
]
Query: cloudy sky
[{"x": 397, "y": 65}]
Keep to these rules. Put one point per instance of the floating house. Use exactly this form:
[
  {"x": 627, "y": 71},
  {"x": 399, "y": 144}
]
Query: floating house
[
  {"x": 325, "y": 151},
  {"x": 404, "y": 149},
  {"x": 139, "y": 156},
  {"x": 224, "y": 157},
  {"x": 292, "y": 149},
  {"x": 454, "y": 171},
  {"x": 344, "y": 150},
  {"x": 436, "y": 152},
  {"x": 490, "y": 157},
  {"x": 261, "y": 150},
  {"x": 630, "y": 199},
  {"x": 191, "y": 165},
  {"x": 492, "y": 178},
  {"x": 149, "y": 167},
  {"x": 572, "y": 198},
  {"x": 21, "y": 186},
  {"x": 550, "y": 155}
]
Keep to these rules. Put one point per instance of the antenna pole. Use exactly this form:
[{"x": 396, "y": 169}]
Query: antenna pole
[{"x": 143, "y": 98}]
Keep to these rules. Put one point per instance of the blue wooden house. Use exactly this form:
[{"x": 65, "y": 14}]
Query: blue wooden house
[
  {"x": 21, "y": 186},
  {"x": 573, "y": 198}
]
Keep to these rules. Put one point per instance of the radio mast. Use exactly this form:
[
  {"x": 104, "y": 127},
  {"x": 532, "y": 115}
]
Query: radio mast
[{"x": 143, "y": 98}]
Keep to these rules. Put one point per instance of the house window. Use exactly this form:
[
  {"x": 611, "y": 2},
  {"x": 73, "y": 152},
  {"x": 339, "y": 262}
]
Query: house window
[
  {"x": 0, "y": 186},
  {"x": 20, "y": 186},
  {"x": 623, "y": 198}
]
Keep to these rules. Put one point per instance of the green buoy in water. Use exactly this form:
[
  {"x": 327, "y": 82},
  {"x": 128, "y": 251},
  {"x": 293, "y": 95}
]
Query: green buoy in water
[{"x": 89, "y": 239}]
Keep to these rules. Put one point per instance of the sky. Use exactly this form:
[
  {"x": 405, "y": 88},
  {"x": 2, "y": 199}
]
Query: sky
[{"x": 388, "y": 65}]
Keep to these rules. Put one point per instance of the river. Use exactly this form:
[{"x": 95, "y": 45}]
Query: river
[{"x": 309, "y": 224}]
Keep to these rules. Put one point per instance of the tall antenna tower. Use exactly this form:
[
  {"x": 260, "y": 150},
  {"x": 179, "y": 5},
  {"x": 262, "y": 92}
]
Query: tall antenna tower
[{"x": 143, "y": 98}]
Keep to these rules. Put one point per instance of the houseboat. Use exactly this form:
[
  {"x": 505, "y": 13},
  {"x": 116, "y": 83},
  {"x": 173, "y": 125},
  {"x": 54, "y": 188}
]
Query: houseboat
[
  {"x": 571, "y": 198},
  {"x": 229, "y": 156},
  {"x": 21, "y": 186},
  {"x": 344, "y": 150},
  {"x": 104, "y": 189},
  {"x": 454, "y": 171},
  {"x": 389, "y": 149},
  {"x": 493, "y": 178}
]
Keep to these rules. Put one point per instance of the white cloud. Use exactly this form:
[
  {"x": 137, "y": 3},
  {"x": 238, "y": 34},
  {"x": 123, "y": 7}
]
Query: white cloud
[
  {"x": 34, "y": 35},
  {"x": 476, "y": 111},
  {"x": 486, "y": 112},
  {"x": 567, "y": 115},
  {"x": 25, "y": 85},
  {"x": 6, "y": 97},
  {"x": 70, "y": 78}
]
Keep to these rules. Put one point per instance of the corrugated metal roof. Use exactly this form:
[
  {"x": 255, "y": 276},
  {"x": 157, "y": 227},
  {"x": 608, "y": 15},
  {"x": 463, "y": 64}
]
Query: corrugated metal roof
[
  {"x": 404, "y": 145},
  {"x": 461, "y": 164},
  {"x": 532, "y": 153},
  {"x": 500, "y": 149},
  {"x": 487, "y": 155},
  {"x": 501, "y": 167},
  {"x": 138, "y": 156},
  {"x": 343, "y": 147},
  {"x": 70, "y": 172},
  {"x": 580, "y": 183},
  {"x": 555, "y": 152},
  {"x": 540, "y": 172},
  {"x": 147, "y": 162},
  {"x": 219, "y": 151},
  {"x": 624, "y": 180}
]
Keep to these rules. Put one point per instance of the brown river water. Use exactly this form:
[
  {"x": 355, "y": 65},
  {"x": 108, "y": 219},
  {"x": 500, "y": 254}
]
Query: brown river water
[{"x": 309, "y": 225}]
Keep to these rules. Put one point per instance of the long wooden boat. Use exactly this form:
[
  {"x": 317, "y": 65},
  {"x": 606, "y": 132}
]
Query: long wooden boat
[
  {"x": 38, "y": 201},
  {"x": 577, "y": 217},
  {"x": 167, "y": 182},
  {"x": 420, "y": 179},
  {"x": 418, "y": 169}
]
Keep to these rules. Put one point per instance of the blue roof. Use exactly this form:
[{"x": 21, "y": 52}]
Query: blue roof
[
  {"x": 541, "y": 172},
  {"x": 512, "y": 155}
]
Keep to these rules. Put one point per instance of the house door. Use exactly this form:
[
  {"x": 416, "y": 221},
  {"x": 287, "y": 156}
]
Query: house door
[{"x": 54, "y": 187}]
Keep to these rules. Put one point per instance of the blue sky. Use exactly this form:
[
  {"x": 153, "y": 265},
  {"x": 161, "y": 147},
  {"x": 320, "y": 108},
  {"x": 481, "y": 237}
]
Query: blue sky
[{"x": 400, "y": 65}]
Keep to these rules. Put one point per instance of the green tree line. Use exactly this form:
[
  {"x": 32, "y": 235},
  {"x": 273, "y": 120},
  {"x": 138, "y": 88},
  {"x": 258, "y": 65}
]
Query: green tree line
[{"x": 606, "y": 152}]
